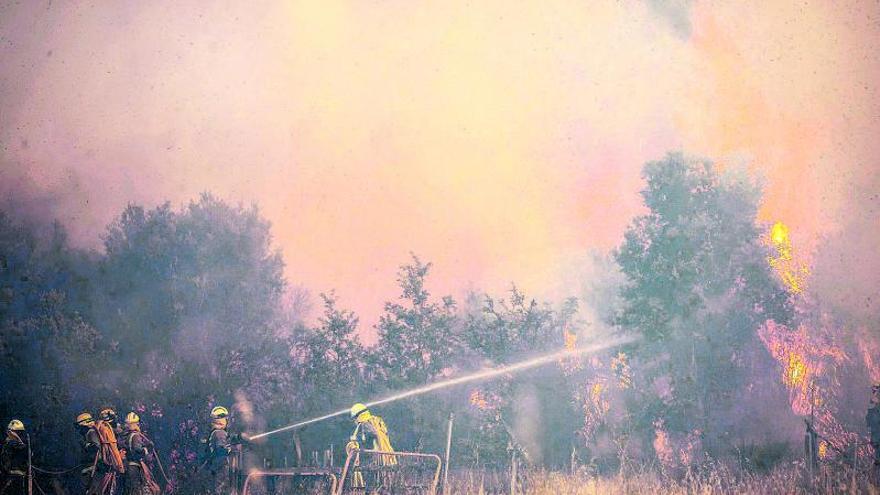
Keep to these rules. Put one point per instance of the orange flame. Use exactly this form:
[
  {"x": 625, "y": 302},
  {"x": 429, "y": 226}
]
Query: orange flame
[
  {"x": 870, "y": 350},
  {"x": 796, "y": 373},
  {"x": 809, "y": 360},
  {"x": 792, "y": 273},
  {"x": 622, "y": 370},
  {"x": 596, "y": 406},
  {"x": 812, "y": 358},
  {"x": 596, "y": 391},
  {"x": 662, "y": 447},
  {"x": 479, "y": 400}
]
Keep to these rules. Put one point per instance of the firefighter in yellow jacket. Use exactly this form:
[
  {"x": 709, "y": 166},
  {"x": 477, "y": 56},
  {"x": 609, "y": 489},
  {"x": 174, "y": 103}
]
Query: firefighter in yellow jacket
[
  {"x": 15, "y": 460},
  {"x": 370, "y": 433}
]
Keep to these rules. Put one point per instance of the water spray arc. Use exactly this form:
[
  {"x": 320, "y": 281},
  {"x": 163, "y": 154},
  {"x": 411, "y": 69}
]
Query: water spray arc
[{"x": 479, "y": 375}]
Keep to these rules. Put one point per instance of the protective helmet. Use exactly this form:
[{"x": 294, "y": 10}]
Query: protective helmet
[
  {"x": 357, "y": 410},
  {"x": 108, "y": 414},
  {"x": 85, "y": 419},
  {"x": 219, "y": 412},
  {"x": 132, "y": 417},
  {"x": 15, "y": 425}
]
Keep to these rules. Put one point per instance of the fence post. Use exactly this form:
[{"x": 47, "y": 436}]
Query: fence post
[
  {"x": 855, "y": 464},
  {"x": 448, "y": 449},
  {"x": 513, "y": 473}
]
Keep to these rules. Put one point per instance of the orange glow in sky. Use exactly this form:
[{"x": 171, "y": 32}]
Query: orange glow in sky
[{"x": 500, "y": 140}]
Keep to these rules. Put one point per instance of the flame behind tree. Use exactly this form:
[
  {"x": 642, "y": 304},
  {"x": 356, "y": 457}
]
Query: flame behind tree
[
  {"x": 807, "y": 362},
  {"x": 480, "y": 400},
  {"x": 870, "y": 350},
  {"x": 792, "y": 273},
  {"x": 811, "y": 363},
  {"x": 596, "y": 406},
  {"x": 608, "y": 379},
  {"x": 813, "y": 356},
  {"x": 569, "y": 339},
  {"x": 697, "y": 288}
]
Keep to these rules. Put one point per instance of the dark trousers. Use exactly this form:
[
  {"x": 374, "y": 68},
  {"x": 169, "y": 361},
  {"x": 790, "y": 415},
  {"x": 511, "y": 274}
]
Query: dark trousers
[
  {"x": 135, "y": 481},
  {"x": 13, "y": 484}
]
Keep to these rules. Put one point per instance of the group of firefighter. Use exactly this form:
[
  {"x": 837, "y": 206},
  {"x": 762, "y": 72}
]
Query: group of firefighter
[{"x": 119, "y": 458}]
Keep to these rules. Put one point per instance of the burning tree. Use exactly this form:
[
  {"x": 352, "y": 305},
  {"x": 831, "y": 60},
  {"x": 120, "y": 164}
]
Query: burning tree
[
  {"x": 818, "y": 356},
  {"x": 697, "y": 288}
]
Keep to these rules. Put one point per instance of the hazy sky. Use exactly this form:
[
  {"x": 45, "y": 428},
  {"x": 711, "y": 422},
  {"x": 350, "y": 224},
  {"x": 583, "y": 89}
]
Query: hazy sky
[{"x": 501, "y": 140}]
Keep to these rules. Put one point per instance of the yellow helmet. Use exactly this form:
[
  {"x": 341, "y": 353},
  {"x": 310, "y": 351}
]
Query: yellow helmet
[
  {"x": 132, "y": 417},
  {"x": 15, "y": 425},
  {"x": 219, "y": 412},
  {"x": 85, "y": 419},
  {"x": 357, "y": 410}
]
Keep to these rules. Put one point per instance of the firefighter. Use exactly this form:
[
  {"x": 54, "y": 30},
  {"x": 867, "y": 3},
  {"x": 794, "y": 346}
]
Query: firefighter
[
  {"x": 108, "y": 464},
  {"x": 15, "y": 460},
  {"x": 90, "y": 448},
  {"x": 873, "y": 421},
  {"x": 219, "y": 450},
  {"x": 370, "y": 430},
  {"x": 108, "y": 416},
  {"x": 370, "y": 433},
  {"x": 139, "y": 454}
]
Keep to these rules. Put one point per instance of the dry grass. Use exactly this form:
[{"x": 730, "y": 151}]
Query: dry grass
[
  {"x": 643, "y": 480},
  {"x": 783, "y": 480}
]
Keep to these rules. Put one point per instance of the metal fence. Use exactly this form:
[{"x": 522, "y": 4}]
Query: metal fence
[
  {"x": 364, "y": 471},
  {"x": 367, "y": 471},
  {"x": 274, "y": 475}
]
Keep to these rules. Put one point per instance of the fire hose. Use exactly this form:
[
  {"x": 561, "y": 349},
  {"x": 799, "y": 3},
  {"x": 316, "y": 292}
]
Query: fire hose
[
  {"x": 56, "y": 472},
  {"x": 162, "y": 471}
]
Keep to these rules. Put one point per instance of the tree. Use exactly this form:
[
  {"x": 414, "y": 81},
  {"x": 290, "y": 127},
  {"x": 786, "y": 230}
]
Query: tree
[
  {"x": 534, "y": 411},
  {"x": 697, "y": 288},
  {"x": 191, "y": 301},
  {"x": 419, "y": 340},
  {"x": 328, "y": 372},
  {"x": 48, "y": 351},
  {"x": 417, "y": 337}
]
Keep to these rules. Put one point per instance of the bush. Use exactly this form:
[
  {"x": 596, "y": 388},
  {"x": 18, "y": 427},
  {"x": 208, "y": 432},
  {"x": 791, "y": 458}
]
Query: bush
[{"x": 761, "y": 458}]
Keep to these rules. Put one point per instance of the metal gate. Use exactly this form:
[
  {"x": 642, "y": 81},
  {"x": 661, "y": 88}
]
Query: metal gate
[
  {"x": 369, "y": 470},
  {"x": 290, "y": 473}
]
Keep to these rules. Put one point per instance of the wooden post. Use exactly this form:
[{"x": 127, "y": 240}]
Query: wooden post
[
  {"x": 30, "y": 473},
  {"x": 448, "y": 449},
  {"x": 808, "y": 455},
  {"x": 855, "y": 465},
  {"x": 297, "y": 444},
  {"x": 513, "y": 474}
]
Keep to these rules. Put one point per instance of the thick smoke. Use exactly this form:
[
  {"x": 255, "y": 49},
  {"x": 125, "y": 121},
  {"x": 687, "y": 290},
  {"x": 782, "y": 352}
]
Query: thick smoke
[
  {"x": 23, "y": 201},
  {"x": 845, "y": 283},
  {"x": 846, "y": 275}
]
